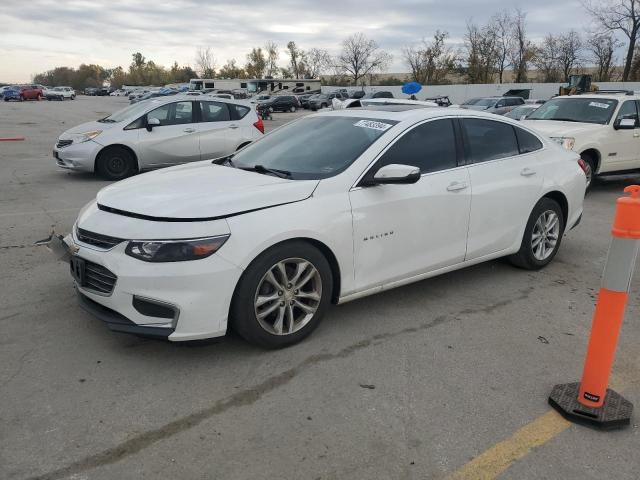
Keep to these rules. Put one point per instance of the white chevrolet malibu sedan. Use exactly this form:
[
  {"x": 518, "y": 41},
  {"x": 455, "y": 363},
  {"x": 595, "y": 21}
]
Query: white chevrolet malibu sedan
[
  {"x": 158, "y": 133},
  {"x": 327, "y": 209}
]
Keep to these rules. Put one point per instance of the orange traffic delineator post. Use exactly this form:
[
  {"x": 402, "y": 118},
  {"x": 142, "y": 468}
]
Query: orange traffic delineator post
[{"x": 590, "y": 402}]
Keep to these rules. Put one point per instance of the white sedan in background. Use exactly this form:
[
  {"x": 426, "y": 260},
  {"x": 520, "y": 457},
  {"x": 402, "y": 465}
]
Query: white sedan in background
[
  {"x": 158, "y": 133},
  {"x": 326, "y": 209}
]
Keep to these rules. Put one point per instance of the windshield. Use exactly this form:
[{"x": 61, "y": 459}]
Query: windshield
[
  {"x": 134, "y": 110},
  {"x": 585, "y": 110},
  {"x": 518, "y": 112},
  {"x": 313, "y": 148},
  {"x": 471, "y": 101},
  {"x": 485, "y": 102}
]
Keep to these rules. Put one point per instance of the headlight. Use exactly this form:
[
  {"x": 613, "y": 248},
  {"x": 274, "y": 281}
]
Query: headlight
[
  {"x": 566, "y": 142},
  {"x": 82, "y": 137},
  {"x": 174, "y": 250}
]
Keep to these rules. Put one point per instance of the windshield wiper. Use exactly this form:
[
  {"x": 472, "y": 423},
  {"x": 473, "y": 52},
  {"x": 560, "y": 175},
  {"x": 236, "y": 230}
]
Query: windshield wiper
[
  {"x": 273, "y": 171},
  {"x": 226, "y": 161},
  {"x": 106, "y": 120},
  {"x": 567, "y": 120}
]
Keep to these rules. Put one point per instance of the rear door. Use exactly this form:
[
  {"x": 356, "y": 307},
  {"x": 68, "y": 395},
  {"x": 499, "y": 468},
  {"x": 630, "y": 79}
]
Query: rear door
[
  {"x": 173, "y": 141},
  {"x": 505, "y": 183},
  {"x": 219, "y": 135}
]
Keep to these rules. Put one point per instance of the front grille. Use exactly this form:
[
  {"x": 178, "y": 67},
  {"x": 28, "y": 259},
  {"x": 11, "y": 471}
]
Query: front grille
[
  {"x": 97, "y": 239},
  {"x": 99, "y": 278},
  {"x": 64, "y": 143}
]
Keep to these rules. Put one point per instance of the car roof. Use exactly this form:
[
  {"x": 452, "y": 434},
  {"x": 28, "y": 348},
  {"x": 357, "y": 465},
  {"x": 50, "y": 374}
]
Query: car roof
[
  {"x": 413, "y": 113},
  {"x": 606, "y": 95},
  {"x": 158, "y": 101}
]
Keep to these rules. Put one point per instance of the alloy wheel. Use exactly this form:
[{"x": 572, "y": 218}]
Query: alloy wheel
[
  {"x": 288, "y": 296},
  {"x": 545, "y": 235}
]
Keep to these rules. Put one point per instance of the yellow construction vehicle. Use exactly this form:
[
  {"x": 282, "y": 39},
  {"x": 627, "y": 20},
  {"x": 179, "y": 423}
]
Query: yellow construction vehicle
[{"x": 578, "y": 84}]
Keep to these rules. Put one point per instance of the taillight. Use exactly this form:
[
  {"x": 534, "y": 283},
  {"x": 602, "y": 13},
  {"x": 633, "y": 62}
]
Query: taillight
[
  {"x": 259, "y": 125},
  {"x": 583, "y": 166}
]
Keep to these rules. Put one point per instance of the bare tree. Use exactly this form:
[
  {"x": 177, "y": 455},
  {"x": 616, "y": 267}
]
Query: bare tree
[
  {"x": 361, "y": 56},
  {"x": 271, "y": 49},
  {"x": 522, "y": 51},
  {"x": 430, "y": 62},
  {"x": 547, "y": 59},
  {"x": 602, "y": 53},
  {"x": 256, "y": 63},
  {"x": 569, "y": 52},
  {"x": 296, "y": 60},
  {"x": 501, "y": 27},
  {"x": 205, "y": 62},
  {"x": 618, "y": 16},
  {"x": 318, "y": 60},
  {"x": 480, "y": 44}
]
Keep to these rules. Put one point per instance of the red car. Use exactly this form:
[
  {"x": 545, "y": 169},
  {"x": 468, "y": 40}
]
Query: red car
[{"x": 24, "y": 92}]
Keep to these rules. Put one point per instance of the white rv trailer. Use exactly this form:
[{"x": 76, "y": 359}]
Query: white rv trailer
[{"x": 258, "y": 85}]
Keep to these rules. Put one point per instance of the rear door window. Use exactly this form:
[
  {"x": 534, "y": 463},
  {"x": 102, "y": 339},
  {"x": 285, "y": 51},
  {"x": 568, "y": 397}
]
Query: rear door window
[
  {"x": 487, "y": 140},
  {"x": 214, "y": 112}
]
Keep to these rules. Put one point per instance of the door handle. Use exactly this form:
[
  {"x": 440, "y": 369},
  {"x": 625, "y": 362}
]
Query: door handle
[
  {"x": 527, "y": 172},
  {"x": 233, "y": 126},
  {"x": 456, "y": 186},
  {"x": 189, "y": 130}
]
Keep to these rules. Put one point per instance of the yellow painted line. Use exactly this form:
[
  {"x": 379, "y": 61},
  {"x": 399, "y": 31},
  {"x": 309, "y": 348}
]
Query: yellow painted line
[
  {"x": 501, "y": 456},
  {"x": 493, "y": 462}
]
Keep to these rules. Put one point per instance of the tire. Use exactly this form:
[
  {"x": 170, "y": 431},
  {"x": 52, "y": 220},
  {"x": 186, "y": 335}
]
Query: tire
[
  {"x": 73, "y": 97},
  {"x": 535, "y": 257},
  {"x": 21, "y": 98},
  {"x": 292, "y": 109},
  {"x": 39, "y": 97},
  {"x": 276, "y": 314},
  {"x": 324, "y": 105},
  {"x": 592, "y": 166},
  {"x": 115, "y": 163},
  {"x": 271, "y": 110}
]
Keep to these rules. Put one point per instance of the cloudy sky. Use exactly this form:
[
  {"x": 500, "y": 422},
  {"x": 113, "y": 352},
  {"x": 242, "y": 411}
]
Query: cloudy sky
[{"x": 41, "y": 34}]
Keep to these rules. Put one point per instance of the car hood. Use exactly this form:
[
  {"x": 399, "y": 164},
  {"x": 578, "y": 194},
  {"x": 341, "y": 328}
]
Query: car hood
[
  {"x": 88, "y": 127},
  {"x": 552, "y": 128},
  {"x": 200, "y": 191}
]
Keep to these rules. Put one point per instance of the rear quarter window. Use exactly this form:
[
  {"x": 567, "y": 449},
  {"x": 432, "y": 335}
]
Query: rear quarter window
[
  {"x": 239, "y": 111},
  {"x": 527, "y": 142}
]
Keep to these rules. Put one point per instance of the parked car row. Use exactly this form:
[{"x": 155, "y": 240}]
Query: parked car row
[{"x": 21, "y": 93}]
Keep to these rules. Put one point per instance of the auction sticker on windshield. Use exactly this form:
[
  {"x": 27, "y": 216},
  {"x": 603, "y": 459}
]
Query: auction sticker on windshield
[
  {"x": 598, "y": 104},
  {"x": 374, "y": 125}
]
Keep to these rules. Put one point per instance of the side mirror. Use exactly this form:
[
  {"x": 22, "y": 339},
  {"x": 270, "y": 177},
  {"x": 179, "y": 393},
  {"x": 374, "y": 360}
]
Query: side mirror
[
  {"x": 396, "y": 174},
  {"x": 625, "y": 124},
  {"x": 152, "y": 122}
]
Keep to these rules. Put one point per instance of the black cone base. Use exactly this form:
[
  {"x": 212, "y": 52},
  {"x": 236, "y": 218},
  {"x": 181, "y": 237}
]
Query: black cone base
[{"x": 615, "y": 413}]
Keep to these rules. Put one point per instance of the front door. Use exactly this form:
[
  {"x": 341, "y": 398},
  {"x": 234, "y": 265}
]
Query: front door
[
  {"x": 405, "y": 230},
  {"x": 173, "y": 141},
  {"x": 627, "y": 142}
]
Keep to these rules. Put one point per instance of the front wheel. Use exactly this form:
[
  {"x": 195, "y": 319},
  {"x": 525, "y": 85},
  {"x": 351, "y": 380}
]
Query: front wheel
[
  {"x": 590, "y": 171},
  {"x": 115, "y": 163},
  {"x": 292, "y": 109},
  {"x": 282, "y": 296},
  {"x": 73, "y": 97},
  {"x": 542, "y": 236}
]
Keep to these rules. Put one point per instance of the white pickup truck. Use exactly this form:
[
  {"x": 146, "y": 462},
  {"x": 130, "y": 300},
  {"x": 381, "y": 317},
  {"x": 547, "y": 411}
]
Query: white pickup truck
[{"x": 604, "y": 128}]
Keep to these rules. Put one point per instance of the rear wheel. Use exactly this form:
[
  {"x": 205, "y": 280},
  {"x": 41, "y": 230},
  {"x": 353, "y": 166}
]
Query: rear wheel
[
  {"x": 282, "y": 296},
  {"x": 115, "y": 163},
  {"x": 542, "y": 236}
]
